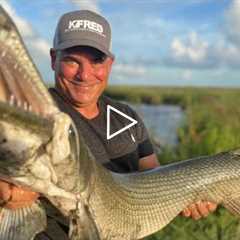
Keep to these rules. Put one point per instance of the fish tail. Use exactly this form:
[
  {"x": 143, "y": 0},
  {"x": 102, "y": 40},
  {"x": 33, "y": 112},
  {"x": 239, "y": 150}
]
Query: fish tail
[{"x": 23, "y": 223}]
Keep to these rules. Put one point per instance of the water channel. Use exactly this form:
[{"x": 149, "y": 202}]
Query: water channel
[{"x": 161, "y": 121}]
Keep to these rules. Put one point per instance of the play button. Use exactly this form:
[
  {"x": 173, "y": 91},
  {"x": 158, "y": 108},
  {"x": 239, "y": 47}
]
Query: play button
[{"x": 109, "y": 109}]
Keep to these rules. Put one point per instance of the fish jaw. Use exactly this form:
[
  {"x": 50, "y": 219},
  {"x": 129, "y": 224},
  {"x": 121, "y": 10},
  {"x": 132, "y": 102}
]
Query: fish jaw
[
  {"x": 39, "y": 146},
  {"x": 18, "y": 143},
  {"x": 28, "y": 155},
  {"x": 34, "y": 134},
  {"x": 30, "y": 159},
  {"x": 20, "y": 81}
]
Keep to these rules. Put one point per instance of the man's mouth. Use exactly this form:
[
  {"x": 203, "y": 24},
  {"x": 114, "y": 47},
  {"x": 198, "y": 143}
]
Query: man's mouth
[{"x": 83, "y": 85}]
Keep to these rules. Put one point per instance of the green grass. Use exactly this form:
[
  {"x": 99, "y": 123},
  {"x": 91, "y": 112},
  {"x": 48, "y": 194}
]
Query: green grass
[{"x": 212, "y": 125}]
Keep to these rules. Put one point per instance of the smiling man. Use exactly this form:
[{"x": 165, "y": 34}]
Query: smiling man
[{"x": 82, "y": 61}]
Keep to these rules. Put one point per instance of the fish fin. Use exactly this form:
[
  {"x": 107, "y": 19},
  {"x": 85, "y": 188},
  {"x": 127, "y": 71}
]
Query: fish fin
[
  {"x": 23, "y": 223},
  {"x": 233, "y": 205}
]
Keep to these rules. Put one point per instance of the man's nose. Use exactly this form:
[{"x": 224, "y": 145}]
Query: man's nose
[{"x": 85, "y": 71}]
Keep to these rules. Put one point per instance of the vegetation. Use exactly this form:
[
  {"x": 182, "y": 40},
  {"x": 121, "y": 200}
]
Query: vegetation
[{"x": 212, "y": 125}]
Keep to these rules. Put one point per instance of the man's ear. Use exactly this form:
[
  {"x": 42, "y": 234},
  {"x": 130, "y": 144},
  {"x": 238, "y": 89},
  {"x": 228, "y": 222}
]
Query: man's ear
[
  {"x": 53, "y": 56},
  {"x": 110, "y": 61}
]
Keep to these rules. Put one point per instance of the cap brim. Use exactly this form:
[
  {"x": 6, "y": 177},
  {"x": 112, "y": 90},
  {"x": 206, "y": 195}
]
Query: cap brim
[{"x": 83, "y": 42}]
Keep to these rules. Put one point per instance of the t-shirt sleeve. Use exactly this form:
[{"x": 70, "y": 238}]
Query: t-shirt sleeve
[{"x": 145, "y": 147}]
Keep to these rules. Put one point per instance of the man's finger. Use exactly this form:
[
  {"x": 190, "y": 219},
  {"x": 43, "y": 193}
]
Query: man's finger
[
  {"x": 186, "y": 212},
  {"x": 194, "y": 212},
  {"x": 211, "y": 206},
  {"x": 203, "y": 208},
  {"x": 23, "y": 194},
  {"x": 16, "y": 205},
  {"x": 5, "y": 191}
]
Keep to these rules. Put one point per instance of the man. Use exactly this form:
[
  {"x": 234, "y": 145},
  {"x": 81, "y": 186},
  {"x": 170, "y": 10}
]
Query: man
[{"x": 82, "y": 61}]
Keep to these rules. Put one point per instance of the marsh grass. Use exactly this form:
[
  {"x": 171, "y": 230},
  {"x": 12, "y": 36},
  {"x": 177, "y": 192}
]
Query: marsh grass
[{"x": 212, "y": 125}]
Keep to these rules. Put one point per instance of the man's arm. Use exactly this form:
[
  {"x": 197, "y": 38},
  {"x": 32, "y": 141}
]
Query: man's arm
[
  {"x": 148, "y": 162},
  {"x": 195, "y": 210}
]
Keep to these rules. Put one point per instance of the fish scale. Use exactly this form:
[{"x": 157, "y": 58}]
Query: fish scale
[
  {"x": 171, "y": 189},
  {"x": 40, "y": 149}
]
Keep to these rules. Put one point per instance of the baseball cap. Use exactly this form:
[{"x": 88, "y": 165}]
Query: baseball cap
[{"x": 83, "y": 28}]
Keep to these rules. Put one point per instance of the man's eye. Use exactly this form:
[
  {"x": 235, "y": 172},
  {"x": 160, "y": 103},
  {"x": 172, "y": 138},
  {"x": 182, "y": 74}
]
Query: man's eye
[
  {"x": 99, "y": 59},
  {"x": 70, "y": 62}
]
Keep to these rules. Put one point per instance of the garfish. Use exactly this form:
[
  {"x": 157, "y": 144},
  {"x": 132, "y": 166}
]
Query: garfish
[{"x": 41, "y": 149}]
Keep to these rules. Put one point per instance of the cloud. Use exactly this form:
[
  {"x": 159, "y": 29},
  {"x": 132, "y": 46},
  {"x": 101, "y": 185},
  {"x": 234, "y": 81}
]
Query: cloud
[
  {"x": 128, "y": 70},
  {"x": 187, "y": 75},
  {"x": 227, "y": 54},
  {"x": 87, "y": 4},
  {"x": 233, "y": 22},
  {"x": 195, "y": 50},
  {"x": 30, "y": 37},
  {"x": 23, "y": 26},
  {"x": 37, "y": 46},
  {"x": 41, "y": 45},
  {"x": 191, "y": 52}
]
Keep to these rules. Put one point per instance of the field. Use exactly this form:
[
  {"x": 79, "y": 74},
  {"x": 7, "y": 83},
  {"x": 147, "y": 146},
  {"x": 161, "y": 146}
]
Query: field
[{"x": 212, "y": 125}]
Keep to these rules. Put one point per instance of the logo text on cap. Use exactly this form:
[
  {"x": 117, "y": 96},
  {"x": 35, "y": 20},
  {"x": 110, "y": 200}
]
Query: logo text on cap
[{"x": 82, "y": 24}]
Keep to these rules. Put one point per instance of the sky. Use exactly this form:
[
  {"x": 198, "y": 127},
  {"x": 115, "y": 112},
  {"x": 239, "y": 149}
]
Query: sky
[{"x": 155, "y": 42}]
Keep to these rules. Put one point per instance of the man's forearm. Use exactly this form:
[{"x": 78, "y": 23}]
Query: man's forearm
[{"x": 148, "y": 162}]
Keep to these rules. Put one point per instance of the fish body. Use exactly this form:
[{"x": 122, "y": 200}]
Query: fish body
[
  {"x": 40, "y": 149},
  {"x": 135, "y": 205}
]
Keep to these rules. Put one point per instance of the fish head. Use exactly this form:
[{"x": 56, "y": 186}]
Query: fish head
[
  {"x": 36, "y": 139},
  {"x": 26, "y": 137}
]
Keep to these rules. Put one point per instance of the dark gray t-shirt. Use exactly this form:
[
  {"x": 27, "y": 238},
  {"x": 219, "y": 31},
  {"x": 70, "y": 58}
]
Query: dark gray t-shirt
[{"x": 120, "y": 153}]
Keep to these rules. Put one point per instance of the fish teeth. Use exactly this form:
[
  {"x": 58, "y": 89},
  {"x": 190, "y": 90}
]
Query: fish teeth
[
  {"x": 12, "y": 100},
  {"x": 19, "y": 103},
  {"x": 25, "y": 106},
  {"x": 3, "y": 54},
  {"x": 30, "y": 108}
]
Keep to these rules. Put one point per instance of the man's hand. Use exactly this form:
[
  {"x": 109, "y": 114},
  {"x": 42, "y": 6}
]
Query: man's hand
[
  {"x": 196, "y": 210},
  {"x": 14, "y": 197},
  {"x": 199, "y": 210},
  {"x": 148, "y": 162}
]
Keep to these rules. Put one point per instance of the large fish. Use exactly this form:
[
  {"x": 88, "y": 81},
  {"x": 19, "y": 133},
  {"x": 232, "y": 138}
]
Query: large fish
[{"x": 40, "y": 149}]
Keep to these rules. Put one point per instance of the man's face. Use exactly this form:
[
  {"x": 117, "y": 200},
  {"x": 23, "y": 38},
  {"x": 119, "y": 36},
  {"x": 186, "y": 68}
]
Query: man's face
[{"x": 81, "y": 74}]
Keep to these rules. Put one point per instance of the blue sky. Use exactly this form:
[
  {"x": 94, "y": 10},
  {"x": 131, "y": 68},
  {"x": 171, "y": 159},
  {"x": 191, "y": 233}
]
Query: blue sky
[{"x": 156, "y": 42}]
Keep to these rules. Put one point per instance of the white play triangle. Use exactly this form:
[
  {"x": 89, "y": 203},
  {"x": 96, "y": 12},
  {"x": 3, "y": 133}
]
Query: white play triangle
[{"x": 133, "y": 122}]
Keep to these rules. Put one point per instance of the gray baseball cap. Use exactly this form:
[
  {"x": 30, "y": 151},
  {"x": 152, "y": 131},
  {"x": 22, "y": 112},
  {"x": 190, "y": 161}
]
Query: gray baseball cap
[{"x": 83, "y": 28}]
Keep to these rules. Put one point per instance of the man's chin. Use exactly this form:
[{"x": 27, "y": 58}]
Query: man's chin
[{"x": 82, "y": 102}]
